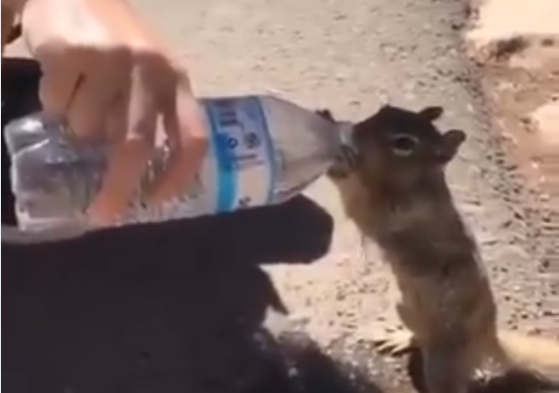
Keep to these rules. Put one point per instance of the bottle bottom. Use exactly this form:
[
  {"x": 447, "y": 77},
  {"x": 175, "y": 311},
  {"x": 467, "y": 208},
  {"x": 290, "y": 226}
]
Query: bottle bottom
[
  {"x": 19, "y": 98},
  {"x": 18, "y": 228}
]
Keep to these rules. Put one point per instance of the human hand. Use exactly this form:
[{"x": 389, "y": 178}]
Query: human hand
[{"x": 113, "y": 81}]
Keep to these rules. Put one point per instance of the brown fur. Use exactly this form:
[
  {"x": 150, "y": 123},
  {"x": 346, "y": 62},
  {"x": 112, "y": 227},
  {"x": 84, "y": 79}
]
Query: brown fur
[{"x": 395, "y": 191}]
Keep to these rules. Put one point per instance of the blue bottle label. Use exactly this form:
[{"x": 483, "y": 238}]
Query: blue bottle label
[{"x": 244, "y": 154}]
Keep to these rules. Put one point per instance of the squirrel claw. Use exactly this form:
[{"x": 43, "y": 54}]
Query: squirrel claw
[{"x": 394, "y": 343}]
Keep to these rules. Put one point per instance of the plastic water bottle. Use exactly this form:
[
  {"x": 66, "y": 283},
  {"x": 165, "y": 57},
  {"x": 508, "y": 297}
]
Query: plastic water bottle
[{"x": 263, "y": 151}]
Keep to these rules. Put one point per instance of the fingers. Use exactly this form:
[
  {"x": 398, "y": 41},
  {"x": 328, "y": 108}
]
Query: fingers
[
  {"x": 127, "y": 159},
  {"x": 125, "y": 167},
  {"x": 117, "y": 118},
  {"x": 99, "y": 101},
  {"x": 58, "y": 86},
  {"x": 102, "y": 81},
  {"x": 119, "y": 97},
  {"x": 184, "y": 127},
  {"x": 88, "y": 110}
]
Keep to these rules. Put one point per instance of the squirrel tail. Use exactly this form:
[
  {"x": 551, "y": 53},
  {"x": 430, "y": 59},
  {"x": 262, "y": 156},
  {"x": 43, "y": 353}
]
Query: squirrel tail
[{"x": 534, "y": 354}]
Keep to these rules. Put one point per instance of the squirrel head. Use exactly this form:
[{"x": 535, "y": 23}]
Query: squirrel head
[{"x": 403, "y": 149}]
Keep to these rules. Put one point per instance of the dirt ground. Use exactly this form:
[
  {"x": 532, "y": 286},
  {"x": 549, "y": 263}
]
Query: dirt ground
[
  {"x": 343, "y": 55},
  {"x": 517, "y": 46}
]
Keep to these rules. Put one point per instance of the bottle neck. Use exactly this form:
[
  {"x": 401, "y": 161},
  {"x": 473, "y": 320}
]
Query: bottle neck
[{"x": 345, "y": 129}]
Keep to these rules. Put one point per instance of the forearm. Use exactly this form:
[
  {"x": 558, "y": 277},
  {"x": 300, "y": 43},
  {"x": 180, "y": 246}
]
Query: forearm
[{"x": 121, "y": 17}]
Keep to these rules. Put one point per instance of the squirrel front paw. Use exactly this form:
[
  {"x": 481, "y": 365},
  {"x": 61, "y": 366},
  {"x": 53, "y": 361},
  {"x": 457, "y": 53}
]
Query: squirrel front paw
[
  {"x": 344, "y": 165},
  {"x": 346, "y": 160}
]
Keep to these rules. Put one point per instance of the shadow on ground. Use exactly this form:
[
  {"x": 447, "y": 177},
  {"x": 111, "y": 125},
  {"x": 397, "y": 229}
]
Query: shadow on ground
[{"x": 166, "y": 308}]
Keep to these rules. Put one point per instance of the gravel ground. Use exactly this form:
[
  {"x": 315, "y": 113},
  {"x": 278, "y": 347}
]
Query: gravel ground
[
  {"x": 516, "y": 44},
  {"x": 165, "y": 316}
]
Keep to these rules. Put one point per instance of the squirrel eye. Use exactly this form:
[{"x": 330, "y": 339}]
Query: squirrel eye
[{"x": 403, "y": 145}]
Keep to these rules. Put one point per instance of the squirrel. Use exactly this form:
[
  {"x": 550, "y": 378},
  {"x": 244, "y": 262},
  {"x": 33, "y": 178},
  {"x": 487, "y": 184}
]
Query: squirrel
[{"x": 393, "y": 187}]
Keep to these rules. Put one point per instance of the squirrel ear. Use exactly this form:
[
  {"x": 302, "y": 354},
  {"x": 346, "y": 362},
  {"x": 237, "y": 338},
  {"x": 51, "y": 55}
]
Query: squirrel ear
[
  {"x": 450, "y": 143},
  {"x": 431, "y": 113}
]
